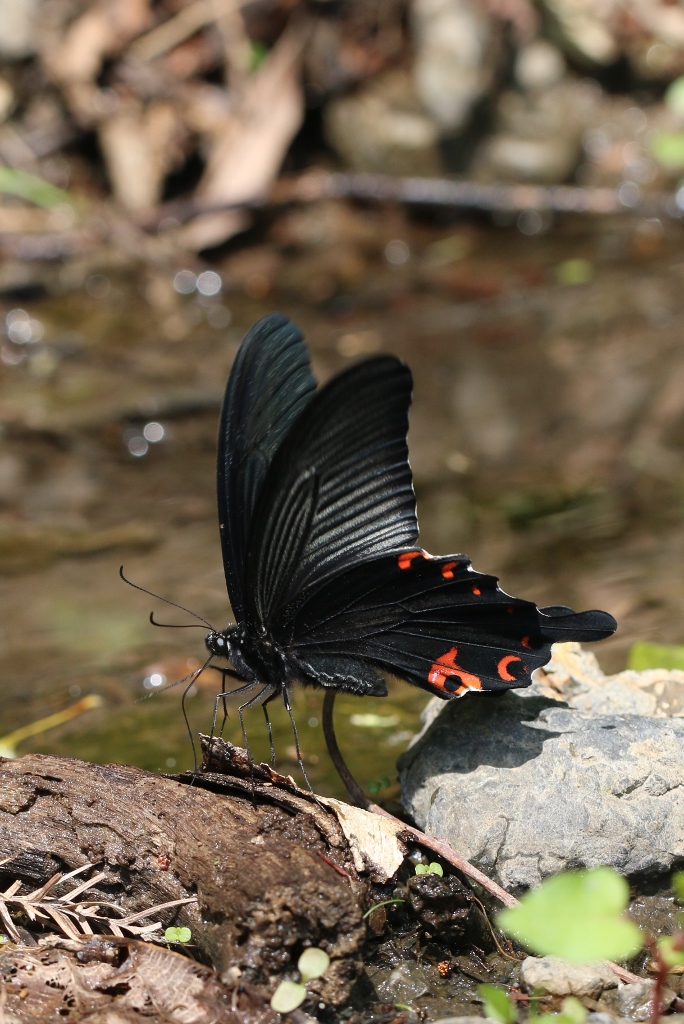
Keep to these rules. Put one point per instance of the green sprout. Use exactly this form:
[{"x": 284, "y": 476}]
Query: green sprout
[
  {"x": 290, "y": 994},
  {"x": 430, "y": 869},
  {"x": 375, "y": 785},
  {"x": 14, "y": 182},
  {"x": 177, "y": 934}
]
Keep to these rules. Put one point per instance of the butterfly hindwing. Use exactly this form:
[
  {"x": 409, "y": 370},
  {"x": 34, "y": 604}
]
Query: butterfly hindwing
[
  {"x": 434, "y": 622},
  {"x": 339, "y": 489},
  {"x": 269, "y": 386}
]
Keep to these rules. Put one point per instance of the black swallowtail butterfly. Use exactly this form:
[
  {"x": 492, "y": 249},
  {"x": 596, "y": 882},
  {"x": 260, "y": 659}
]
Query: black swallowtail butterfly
[{"x": 327, "y": 581}]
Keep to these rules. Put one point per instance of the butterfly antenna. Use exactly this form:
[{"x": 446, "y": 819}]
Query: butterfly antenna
[
  {"x": 165, "y": 600},
  {"x": 175, "y": 625}
]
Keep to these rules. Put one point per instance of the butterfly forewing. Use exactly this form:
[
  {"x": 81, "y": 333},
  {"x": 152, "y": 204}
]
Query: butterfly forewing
[
  {"x": 269, "y": 386},
  {"x": 339, "y": 489}
]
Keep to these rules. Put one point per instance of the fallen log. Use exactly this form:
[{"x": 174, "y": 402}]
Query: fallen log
[{"x": 270, "y": 869}]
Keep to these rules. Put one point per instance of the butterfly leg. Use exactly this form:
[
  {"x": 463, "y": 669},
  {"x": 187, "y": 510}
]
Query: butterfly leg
[
  {"x": 243, "y": 707},
  {"x": 288, "y": 706},
  {"x": 186, "y": 691},
  {"x": 228, "y": 693},
  {"x": 268, "y": 726}
]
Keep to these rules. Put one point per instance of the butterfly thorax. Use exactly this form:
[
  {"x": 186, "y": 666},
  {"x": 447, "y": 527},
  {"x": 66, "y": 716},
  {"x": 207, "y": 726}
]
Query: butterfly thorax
[{"x": 253, "y": 655}]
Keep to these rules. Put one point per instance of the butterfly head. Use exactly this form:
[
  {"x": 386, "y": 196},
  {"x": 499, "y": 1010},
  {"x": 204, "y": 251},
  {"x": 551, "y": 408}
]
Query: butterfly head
[{"x": 219, "y": 643}]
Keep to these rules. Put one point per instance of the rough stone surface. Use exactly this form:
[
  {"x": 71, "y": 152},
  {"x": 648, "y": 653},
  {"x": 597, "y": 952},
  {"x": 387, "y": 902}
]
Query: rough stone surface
[
  {"x": 524, "y": 786},
  {"x": 635, "y": 1001},
  {"x": 407, "y": 981},
  {"x": 559, "y": 978}
]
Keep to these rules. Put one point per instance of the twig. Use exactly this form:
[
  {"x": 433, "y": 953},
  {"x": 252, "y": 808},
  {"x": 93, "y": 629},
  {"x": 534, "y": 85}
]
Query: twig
[
  {"x": 175, "y": 30},
  {"x": 439, "y": 846},
  {"x": 468, "y": 195},
  {"x": 333, "y": 865}
]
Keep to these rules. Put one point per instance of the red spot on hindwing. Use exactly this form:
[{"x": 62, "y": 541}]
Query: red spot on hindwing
[
  {"x": 446, "y": 671},
  {"x": 525, "y": 641},
  {"x": 448, "y": 570},
  {"x": 477, "y": 591},
  {"x": 502, "y": 667},
  {"x": 405, "y": 560}
]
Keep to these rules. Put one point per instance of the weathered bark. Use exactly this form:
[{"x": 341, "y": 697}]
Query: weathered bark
[{"x": 271, "y": 868}]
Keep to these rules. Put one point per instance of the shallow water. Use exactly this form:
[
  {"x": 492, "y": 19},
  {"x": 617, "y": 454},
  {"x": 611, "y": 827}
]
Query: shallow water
[{"x": 546, "y": 442}]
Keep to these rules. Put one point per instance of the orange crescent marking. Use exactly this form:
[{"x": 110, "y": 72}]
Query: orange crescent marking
[
  {"x": 445, "y": 667},
  {"x": 405, "y": 560},
  {"x": 448, "y": 570},
  {"x": 502, "y": 667},
  {"x": 476, "y": 590},
  {"x": 525, "y": 641}
]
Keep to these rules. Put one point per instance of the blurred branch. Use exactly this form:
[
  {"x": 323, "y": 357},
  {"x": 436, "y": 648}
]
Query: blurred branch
[
  {"x": 174, "y": 31},
  {"x": 505, "y": 198}
]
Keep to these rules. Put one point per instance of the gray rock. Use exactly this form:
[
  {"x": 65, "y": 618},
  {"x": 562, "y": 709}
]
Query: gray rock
[
  {"x": 462, "y": 1020},
  {"x": 559, "y": 978},
  {"x": 539, "y": 65},
  {"x": 634, "y": 1001},
  {"x": 524, "y": 787},
  {"x": 454, "y": 60},
  {"x": 405, "y": 982},
  {"x": 383, "y": 128},
  {"x": 18, "y": 23}
]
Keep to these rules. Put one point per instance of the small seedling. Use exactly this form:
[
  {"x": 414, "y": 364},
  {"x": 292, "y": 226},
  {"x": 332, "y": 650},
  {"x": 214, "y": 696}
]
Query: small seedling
[
  {"x": 178, "y": 935},
  {"x": 290, "y": 994},
  {"x": 430, "y": 869},
  {"x": 375, "y": 785},
  {"x": 577, "y": 915}
]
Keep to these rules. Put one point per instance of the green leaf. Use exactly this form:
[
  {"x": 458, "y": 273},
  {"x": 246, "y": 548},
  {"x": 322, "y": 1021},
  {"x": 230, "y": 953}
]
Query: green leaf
[
  {"x": 678, "y": 884},
  {"x": 287, "y": 997},
  {"x": 177, "y": 934},
  {"x": 573, "y": 1010},
  {"x": 384, "y": 782},
  {"x": 312, "y": 963},
  {"x": 436, "y": 869},
  {"x": 257, "y": 55},
  {"x": 422, "y": 869},
  {"x": 373, "y": 786},
  {"x": 672, "y": 957},
  {"x": 572, "y": 1013},
  {"x": 28, "y": 186},
  {"x": 574, "y": 271},
  {"x": 645, "y": 655},
  {"x": 497, "y": 1005},
  {"x": 667, "y": 148},
  {"x": 577, "y": 915},
  {"x": 674, "y": 96}
]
